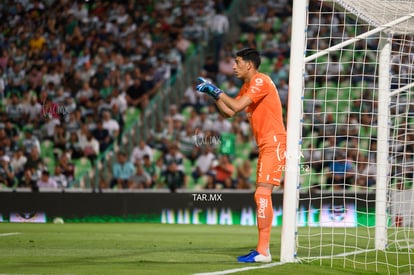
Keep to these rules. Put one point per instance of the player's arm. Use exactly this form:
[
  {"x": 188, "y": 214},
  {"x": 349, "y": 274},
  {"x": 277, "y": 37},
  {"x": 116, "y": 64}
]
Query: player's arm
[
  {"x": 227, "y": 105},
  {"x": 230, "y": 106},
  {"x": 224, "y": 110}
]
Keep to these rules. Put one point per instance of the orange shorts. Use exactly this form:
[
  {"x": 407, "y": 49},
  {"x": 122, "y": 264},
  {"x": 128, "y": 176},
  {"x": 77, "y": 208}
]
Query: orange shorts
[{"x": 271, "y": 163}]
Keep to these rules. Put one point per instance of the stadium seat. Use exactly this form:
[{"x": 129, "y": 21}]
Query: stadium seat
[
  {"x": 156, "y": 154},
  {"x": 186, "y": 112},
  {"x": 267, "y": 65},
  {"x": 82, "y": 166},
  {"x": 188, "y": 166},
  {"x": 190, "y": 182},
  {"x": 46, "y": 148},
  {"x": 243, "y": 150},
  {"x": 50, "y": 164},
  {"x": 132, "y": 114},
  {"x": 254, "y": 169}
]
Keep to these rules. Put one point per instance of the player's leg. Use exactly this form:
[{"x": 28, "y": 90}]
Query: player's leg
[
  {"x": 264, "y": 212},
  {"x": 269, "y": 173}
]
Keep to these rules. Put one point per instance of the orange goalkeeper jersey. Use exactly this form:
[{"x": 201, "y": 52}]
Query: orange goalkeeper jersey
[{"x": 265, "y": 113}]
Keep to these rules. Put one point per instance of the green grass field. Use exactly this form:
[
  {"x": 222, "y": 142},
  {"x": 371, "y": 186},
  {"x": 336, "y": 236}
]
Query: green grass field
[{"x": 136, "y": 248}]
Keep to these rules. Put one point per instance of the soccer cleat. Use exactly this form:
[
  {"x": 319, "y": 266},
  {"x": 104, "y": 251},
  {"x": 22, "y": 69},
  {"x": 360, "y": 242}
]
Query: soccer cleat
[{"x": 254, "y": 257}]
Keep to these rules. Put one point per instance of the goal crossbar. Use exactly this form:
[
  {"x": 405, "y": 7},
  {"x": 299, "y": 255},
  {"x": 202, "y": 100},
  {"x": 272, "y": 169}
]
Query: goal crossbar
[
  {"x": 359, "y": 37},
  {"x": 381, "y": 12}
]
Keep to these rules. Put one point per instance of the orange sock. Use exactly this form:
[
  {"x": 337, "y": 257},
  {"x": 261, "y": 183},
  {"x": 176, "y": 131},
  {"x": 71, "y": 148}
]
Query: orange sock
[{"x": 264, "y": 212}]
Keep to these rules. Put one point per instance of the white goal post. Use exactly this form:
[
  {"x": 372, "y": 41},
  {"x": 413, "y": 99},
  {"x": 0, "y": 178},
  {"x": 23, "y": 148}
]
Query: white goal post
[{"x": 351, "y": 125}]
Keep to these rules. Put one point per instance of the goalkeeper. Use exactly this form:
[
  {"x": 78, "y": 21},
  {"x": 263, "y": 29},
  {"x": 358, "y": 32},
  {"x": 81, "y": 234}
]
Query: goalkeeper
[{"x": 259, "y": 97}]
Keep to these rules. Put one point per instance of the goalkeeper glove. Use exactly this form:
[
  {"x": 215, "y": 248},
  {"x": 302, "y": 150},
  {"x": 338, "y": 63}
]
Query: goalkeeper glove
[{"x": 208, "y": 88}]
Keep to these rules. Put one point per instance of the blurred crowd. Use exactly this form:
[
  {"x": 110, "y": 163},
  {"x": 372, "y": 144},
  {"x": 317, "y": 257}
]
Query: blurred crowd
[{"x": 69, "y": 71}]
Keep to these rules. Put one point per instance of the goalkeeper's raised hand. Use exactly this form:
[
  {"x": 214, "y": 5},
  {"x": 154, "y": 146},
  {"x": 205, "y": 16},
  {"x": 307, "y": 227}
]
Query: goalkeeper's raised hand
[{"x": 208, "y": 88}]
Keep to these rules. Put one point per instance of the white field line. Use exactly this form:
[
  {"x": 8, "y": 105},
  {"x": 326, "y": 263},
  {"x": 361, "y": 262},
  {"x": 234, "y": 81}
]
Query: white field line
[
  {"x": 340, "y": 255},
  {"x": 9, "y": 234},
  {"x": 235, "y": 270}
]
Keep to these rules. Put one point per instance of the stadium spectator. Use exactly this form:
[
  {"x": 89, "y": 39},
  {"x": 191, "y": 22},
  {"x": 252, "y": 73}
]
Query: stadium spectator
[
  {"x": 35, "y": 79},
  {"x": 222, "y": 125},
  {"x": 250, "y": 41},
  {"x": 173, "y": 156},
  {"x": 159, "y": 137},
  {"x": 73, "y": 146},
  {"x": 366, "y": 173},
  {"x": 210, "y": 68},
  {"x": 90, "y": 147},
  {"x": 11, "y": 131},
  {"x": 17, "y": 162},
  {"x": 176, "y": 127},
  {"x": 244, "y": 171},
  {"x": 141, "y": 179},
  {"x": 84, "y": 94},
  {"x": 174, "y": 177},
  {"x": 193, "y": 31},
  {"x": 279, "y": 71},
  {"x": 48, "y": 128},
  {"x": 151, "y": 169},
  {"x": 106, "y": 88},
  {"x": 122, "y": 170},
  {"x": 8, "y": 145},
  {"x": 269, "y": 46},
  {"x": 225, "y": 69},
  {"x": 33, "y": 110},
  {"x": 313, "y": 157},
  {"x": 110, "y": 124},
  {"x": 37, "y": 42},
  {"x": 222, "y": 173},
  {"x": 15, "y": 110},
  {"x": 283, "y": 91},
  {"x": 3, "y": 82},
  {"x": 16, "y": 83},
  {"x": 219, "y": 26},
  {"x": 182, "y": 44},
  {"x": 73, "y": 123},
  {"x": 192, "y": 119},
  {"x": 30, "y": 141},
  {"x": 45, "y": 181},
  {"x": 82, "y": 132},
  {"x": 32, "y": 169},
  {"x": 102, "y": 136},
  {"x": 204, "y": 163},
  {"x": 238, "y": 129},
  {"x": 232, "y": 89},
  {"x": 6, "y": 171},
  {"x": 118, "y": 117},
  {"x": 252, "y": 21},
  {"x": 341, "y": 173},
  {"x": 67, "y": 166},
  {"x": 60, "y": 178},
  {"x": 193, "y": 98},
  {"x": 140, "y": 151},
  {"x": 136, "y": 95},
  {"x": 118, "y": 101},
  {"x": 186, "y": 143},
  {"x": 204, "y": 124}
]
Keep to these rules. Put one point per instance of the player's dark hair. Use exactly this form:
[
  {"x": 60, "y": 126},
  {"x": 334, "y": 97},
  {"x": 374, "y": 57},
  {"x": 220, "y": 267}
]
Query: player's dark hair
[{"x": 250, "y": 54}]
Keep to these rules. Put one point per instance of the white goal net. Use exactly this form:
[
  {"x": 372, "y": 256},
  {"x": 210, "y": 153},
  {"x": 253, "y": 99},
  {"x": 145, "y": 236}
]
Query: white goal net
[{"x": 356, "y": 171}]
